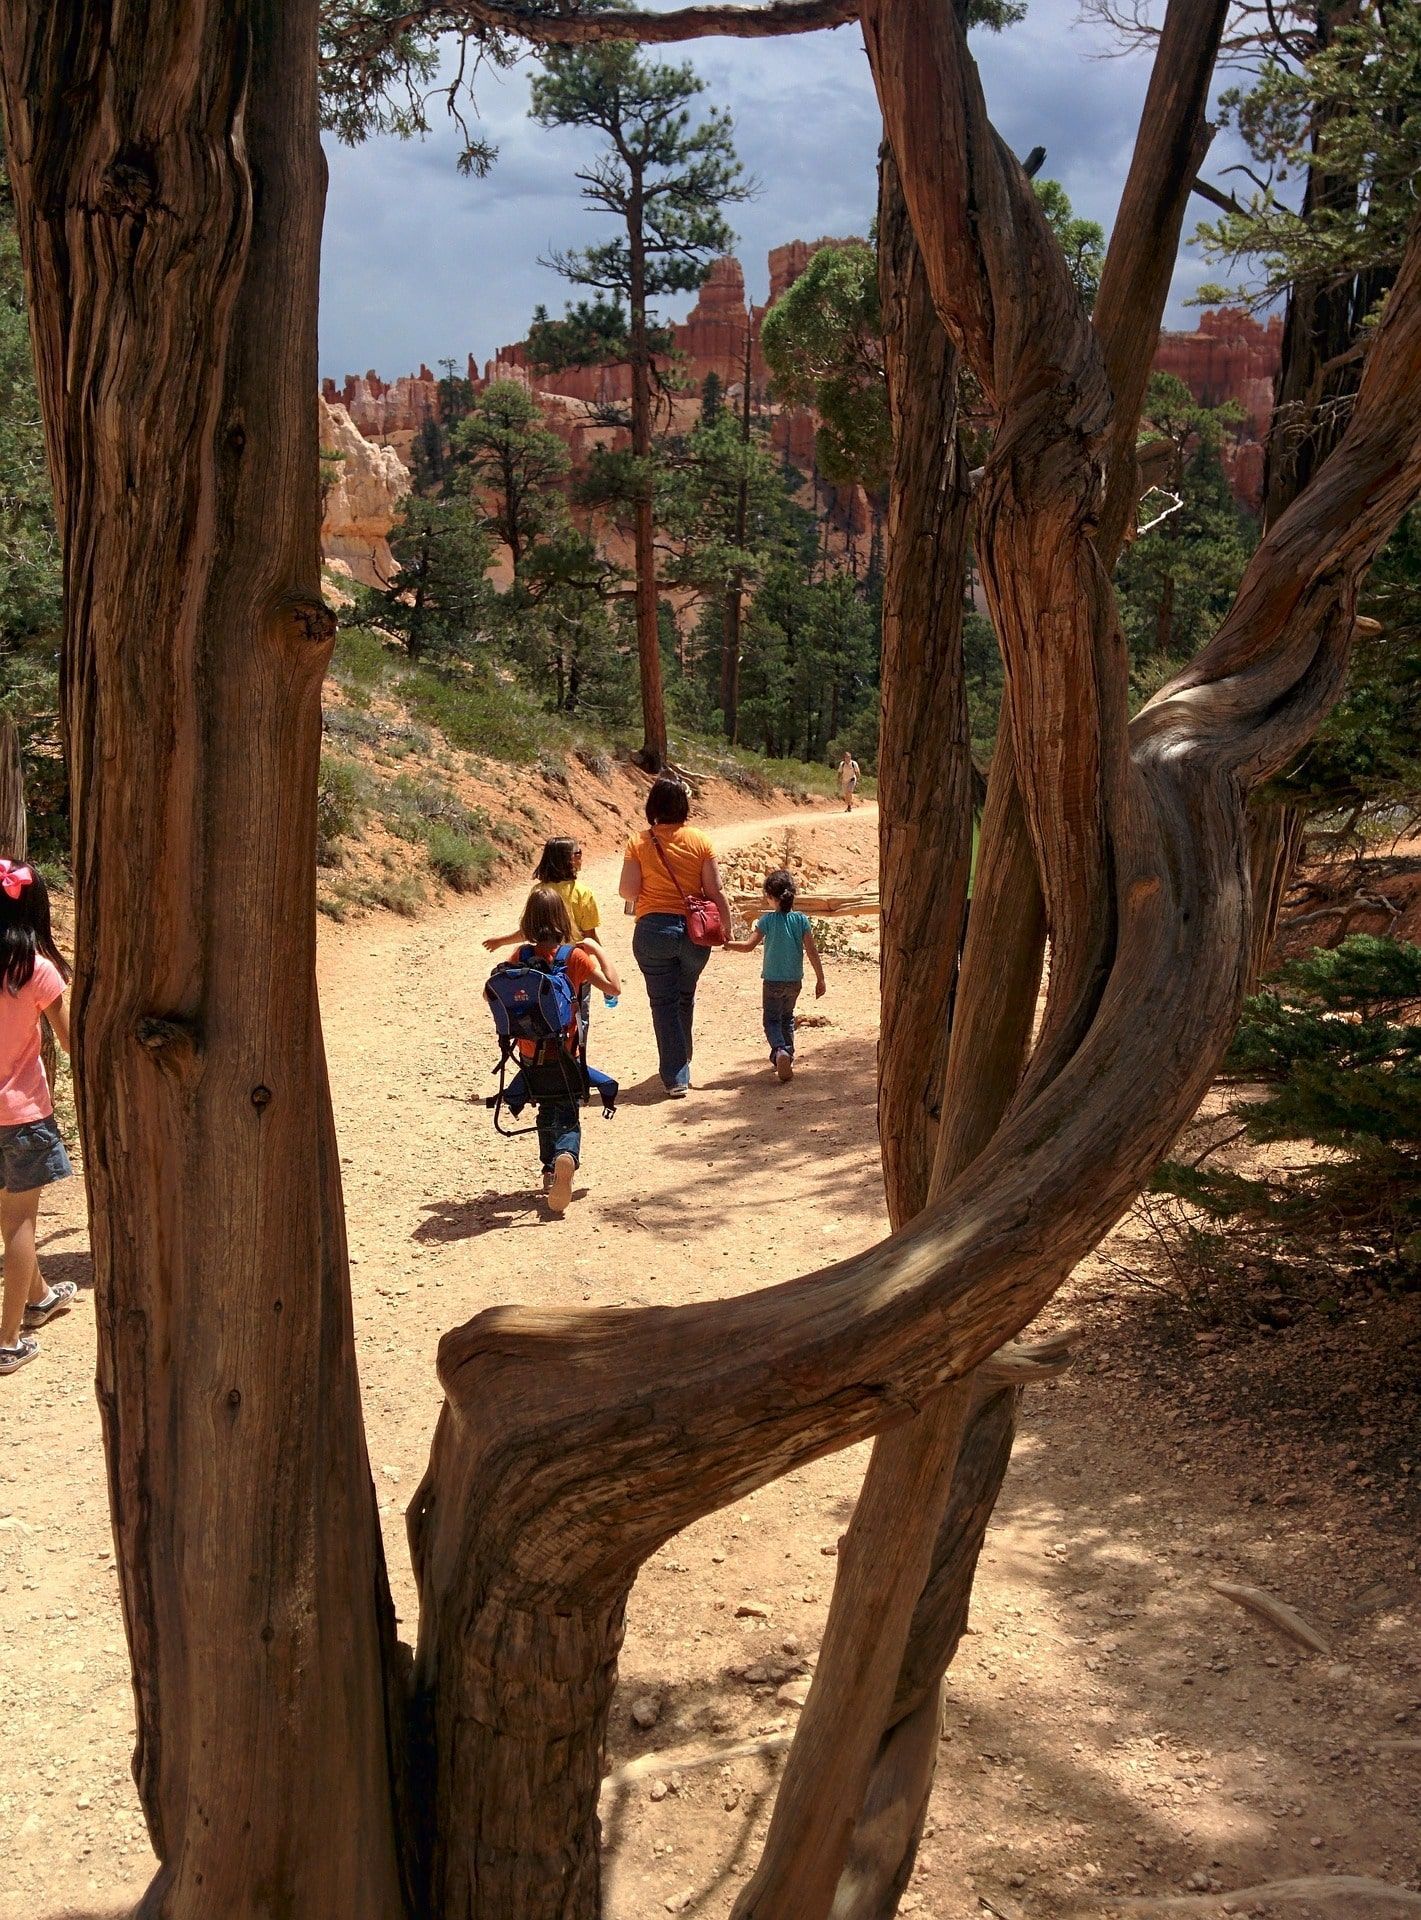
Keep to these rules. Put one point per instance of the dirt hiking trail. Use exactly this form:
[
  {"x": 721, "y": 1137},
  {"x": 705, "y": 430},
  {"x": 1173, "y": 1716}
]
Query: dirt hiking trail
[{"x": 1115, "y": 1728}]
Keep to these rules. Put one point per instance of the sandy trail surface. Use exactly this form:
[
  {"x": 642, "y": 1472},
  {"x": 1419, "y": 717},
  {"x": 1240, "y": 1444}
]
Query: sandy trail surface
[{"x": 1113, "y": 1725}]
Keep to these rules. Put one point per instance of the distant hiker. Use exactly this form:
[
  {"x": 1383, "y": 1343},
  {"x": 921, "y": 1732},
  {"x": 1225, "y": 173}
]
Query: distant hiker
[
  {"x": 544, "y": 977},
  {"x": 670, "y": 877},
  {"x": 848, "y": 780},
  {"x": 787, "y": 937},
  {"x": 558, "y": 868},
  {"x": 33, "y": 975}
]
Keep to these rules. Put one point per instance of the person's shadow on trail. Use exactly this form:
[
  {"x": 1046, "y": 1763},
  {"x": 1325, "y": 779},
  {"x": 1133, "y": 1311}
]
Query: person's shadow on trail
[
  {"x": 447, "y": 1221},
  {"x": 76, "y": 1265},
  {"x": 646, "y": 1093}
]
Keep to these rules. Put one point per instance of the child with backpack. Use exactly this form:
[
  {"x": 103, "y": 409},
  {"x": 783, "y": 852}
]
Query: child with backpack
[
  {"x": 787, "y": 940},
  {"x": 558, "y": 868},
  {"x": 33, "y": 976},
  {"x": 534, "y": 1001}
]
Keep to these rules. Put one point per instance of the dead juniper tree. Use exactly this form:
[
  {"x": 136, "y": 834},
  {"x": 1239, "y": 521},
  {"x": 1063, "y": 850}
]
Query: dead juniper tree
[{"x": 290, "y": 1762}]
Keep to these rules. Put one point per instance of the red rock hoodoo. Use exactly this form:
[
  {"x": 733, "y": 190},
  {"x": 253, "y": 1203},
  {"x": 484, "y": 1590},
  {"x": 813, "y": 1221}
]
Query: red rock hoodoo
[{"x": 1230, "y": 356}]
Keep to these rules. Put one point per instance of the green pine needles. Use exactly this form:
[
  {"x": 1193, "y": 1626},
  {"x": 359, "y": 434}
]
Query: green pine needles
[{"x": 1331, "y": 1055}]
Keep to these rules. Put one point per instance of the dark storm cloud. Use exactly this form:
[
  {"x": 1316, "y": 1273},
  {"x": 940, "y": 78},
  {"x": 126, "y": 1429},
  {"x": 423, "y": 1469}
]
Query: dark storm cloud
[{"x": 422, "y": 264}]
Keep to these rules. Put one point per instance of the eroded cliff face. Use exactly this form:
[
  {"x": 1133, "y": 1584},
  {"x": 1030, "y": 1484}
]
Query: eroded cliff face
[
  {"x": 367, "y": 482},
  {"x": 1231, "y": 357},
  {"x": 372, "y": 423}
]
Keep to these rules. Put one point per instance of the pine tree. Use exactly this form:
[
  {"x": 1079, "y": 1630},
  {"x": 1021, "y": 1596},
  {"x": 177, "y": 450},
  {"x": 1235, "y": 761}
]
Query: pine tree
[
  {"x": 440, "y": 599},
  {"x": 515, "y": 467},
  {"x": 666, "y": 182},
  {"x": 1177, "y": 580},
  {"x": 712, "y": 398},
  {"x": 1335, "y": 1046}
]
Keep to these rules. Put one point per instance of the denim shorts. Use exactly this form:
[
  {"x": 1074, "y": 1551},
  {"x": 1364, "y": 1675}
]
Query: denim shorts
[{"x": 32, "y": 1155}]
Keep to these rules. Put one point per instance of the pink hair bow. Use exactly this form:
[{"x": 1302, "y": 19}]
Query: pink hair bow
[{"x": 14, "y": 879}]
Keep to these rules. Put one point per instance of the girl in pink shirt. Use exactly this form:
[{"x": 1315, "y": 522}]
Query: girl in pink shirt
[{"x": 33, "y": 975}]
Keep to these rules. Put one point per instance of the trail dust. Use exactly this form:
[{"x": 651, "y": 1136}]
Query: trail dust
[{"x": 1114, "y": 1725}]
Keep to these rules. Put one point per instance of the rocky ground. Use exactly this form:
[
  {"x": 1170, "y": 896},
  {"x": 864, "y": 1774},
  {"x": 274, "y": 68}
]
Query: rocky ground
[{"x": 1115, "y": 1729}]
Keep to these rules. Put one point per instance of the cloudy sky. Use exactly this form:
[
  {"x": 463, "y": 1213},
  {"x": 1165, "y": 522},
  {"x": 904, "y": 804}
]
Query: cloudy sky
[{"x": 421, "y": 264}]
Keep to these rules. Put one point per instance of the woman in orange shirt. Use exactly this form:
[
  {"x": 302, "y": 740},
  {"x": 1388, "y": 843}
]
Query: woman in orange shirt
[{"x": 663, "y": 865}]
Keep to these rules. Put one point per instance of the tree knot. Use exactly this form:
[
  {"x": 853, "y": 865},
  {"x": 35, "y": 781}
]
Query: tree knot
[
  {"x": 312, "y": 621},
  {"x": 130, "y": 182},
  {"x": 172, "y": 1038}
]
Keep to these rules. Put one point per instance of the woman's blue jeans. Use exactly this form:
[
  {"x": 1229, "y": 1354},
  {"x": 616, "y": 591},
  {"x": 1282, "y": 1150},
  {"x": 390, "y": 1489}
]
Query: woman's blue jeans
[{"x": 672, "y": 966}]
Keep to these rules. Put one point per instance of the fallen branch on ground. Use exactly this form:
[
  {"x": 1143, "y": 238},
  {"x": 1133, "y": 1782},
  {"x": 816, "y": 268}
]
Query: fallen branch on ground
[
  {"x": 682, "y": 1759},
  {"x": 1279, "y": 1615}
]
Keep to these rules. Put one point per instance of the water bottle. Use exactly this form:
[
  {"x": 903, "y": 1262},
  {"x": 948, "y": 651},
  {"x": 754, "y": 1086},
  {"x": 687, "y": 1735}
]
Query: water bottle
[{"x": 610, "y": 999}]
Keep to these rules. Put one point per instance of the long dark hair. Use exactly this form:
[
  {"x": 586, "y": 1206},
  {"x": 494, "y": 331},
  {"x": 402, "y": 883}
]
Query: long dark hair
[
  {"x": 780, "y": 887},
  {"x": 559, "y": 862},
  {"x": 25, "y": 930}
]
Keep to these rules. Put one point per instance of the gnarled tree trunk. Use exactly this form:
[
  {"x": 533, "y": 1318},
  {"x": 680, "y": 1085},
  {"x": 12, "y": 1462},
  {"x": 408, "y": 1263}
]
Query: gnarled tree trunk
[
  {"x": 167, "y": 176},
  {"x": 169, "y": 187}
]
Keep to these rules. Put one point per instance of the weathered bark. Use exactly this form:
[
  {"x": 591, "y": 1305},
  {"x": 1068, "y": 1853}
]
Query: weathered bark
[
  {"x": 14, "y": 825},
  {"x": 884, "y": 1563},
  {"x": 925, "y": 769},
  {"x": 1174, "y": 136},
  {"x": 363, "y": 43},
  {"x": 1274, "y": 848},
  {"x": 987, "y": 1063},
  {"x": 169, "y": 185}
]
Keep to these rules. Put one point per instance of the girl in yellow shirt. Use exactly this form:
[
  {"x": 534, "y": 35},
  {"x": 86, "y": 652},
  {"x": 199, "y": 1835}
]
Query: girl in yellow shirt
[{"x": 559, "y": 867}]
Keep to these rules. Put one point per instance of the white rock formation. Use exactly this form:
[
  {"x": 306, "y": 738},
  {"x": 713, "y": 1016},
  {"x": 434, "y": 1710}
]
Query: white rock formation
[{"x": 361, "y": 503}]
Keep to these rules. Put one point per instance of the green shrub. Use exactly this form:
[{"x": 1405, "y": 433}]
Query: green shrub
[
  {"x": 361, "y": 663},
  {"x": 403, "y": 895},
  {"x": 349, "y": 723},
  {"x": 1331, "y": 1051},
  {"x": 597, "y": 761},
  {"x": 409, "y": 807},
  {"x": 460, "y": 862},
  {"x": 342, "y": 795},
  {"x": 479, "y": 713}
]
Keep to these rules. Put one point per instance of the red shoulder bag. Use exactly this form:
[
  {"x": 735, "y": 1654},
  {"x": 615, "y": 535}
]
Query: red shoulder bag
[{"x": 704, "y": 926}]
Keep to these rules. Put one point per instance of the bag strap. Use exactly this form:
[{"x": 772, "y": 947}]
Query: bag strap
[{"x": 651, "y": 832}]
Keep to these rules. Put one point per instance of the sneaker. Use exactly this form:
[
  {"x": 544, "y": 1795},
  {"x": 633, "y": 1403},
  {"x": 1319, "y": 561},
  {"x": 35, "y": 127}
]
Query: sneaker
[
  {"x": 784, "y": 1064},
  {"x": 25, "y": 1349},
  {"x": 678, "y": 1092},
  {"x": 560, "y": 1186},
  {"x": 59, "y": 1299},
  {"x": 547, "y": 1178}
]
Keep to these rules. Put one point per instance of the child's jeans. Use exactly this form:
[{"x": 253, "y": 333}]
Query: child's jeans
[
  {"x": 559, "y": 1131},
  {"x": 780, "y": 996}
]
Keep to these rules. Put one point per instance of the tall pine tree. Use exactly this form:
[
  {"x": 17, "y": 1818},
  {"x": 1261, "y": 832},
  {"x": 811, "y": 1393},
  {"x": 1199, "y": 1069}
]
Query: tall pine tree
[{"x": 667, "y": 182}]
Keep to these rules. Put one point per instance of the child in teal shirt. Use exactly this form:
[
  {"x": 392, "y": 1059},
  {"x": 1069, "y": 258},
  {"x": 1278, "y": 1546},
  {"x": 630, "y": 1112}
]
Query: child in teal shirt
[{"x": 787, "y": 939}]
